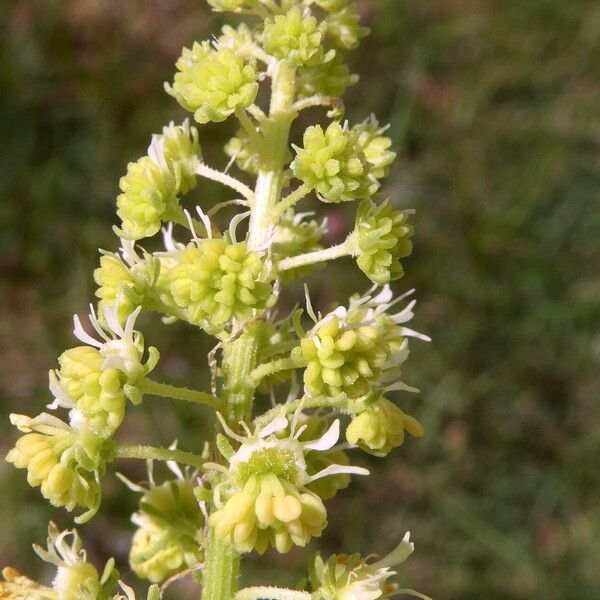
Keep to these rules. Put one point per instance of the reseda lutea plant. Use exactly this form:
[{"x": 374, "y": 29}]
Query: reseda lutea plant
[{"x": 263, "y": 481}]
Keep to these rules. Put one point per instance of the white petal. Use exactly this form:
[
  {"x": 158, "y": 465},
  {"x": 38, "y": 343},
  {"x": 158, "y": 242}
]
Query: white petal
[
  {"x": 277, "y": 424},
  {"x": 327, "y": 440},
  {"x": 82, "y": 335},
  {"x": 406, "y": 332},
  {"x": 338, "y": 470},
  {"x": 397, "y": 556},
  {"x": 384, "y": 296}
]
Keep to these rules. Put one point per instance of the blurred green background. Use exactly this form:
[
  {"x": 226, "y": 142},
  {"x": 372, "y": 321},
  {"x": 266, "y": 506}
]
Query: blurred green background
[{"x": 494, "y": 108}]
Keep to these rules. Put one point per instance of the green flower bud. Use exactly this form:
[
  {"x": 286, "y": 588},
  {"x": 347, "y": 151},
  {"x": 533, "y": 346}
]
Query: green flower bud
[
  {"x": 296, "y": 38},
  {"x": 383, "y": 237},
  {"x": 353, "y": 578},
  {"x": 182, "y": 153},
  {"x": 213, "y": 83},
  {"x": 295, "y": 235},
  {"x": 333, "y": 163},
  {"x": 343, "y": 23},
  {"x": 216, "y": 280},
  {"x": 332, "y": 78},
  {"x": 148, "y": 195},
  {"x": 66, "y": 463},
  {"x": 380, "y": 428},
  {"x": 375, "y": 145},
  {"x": 167, "y": 539},
  {"x": 352, "y": 351}
]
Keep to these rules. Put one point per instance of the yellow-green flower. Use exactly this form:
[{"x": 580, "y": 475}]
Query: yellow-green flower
[
  {"x": 354, "y": 578},
  {"x": 64, "y": 461},
  {"x": 213, "y": 83},
  {"x": 262, "y": 498},
  {"x": 75, "y": 578},
  {"x": 97, "y": 393},
  {"x": 351, "y": 351},
  {"x": 381, "y": 427},
  {"x": 168, "y": 536},
  {"x": 332, "y": 78},
  {"x": 182, "y": 153},
  {"x": 343, "y": 23},
  {"x": 296, "y": 38},
  {"x": 148, "y": 195},
  {"x": 217, "y": 280},
  {"x": 383, "y": 237},
  {"x": 375, "y": 145},
  {"x": 333, "y": 164}
]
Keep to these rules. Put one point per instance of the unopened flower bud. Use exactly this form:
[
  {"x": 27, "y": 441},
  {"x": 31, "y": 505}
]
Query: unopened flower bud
[
  {"x": 333, "y": 163},
  {"x": 213, "y": 83},
  {"x": 383, "y": 237}
]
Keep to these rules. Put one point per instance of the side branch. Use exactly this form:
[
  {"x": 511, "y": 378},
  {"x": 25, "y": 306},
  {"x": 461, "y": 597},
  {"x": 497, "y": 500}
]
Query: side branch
[
  {"x": 318, "y": 256},
  {"x": 166, "y": 390},
  {"x": 235, "y": 184},
  {"x": 154, "y": 453}
]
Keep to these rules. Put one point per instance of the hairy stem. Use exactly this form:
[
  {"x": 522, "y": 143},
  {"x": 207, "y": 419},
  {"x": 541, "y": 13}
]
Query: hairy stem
[
  {"x": 235, "y": 184},
  {"x": 276, "y": 132},
  {"x": 221, "y": 569},
  {"x": 272, "y": 593},
  {"x": 153, "y": 453},
  {"x": 318, "y": 256},
  {"x": 165, "y": 390}
]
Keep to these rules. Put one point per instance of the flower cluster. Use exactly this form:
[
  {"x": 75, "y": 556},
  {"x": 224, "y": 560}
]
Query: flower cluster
[
  {"x": 352, "y": 350},
  {"x": 169, "y": 528},
  {"x": 217, "y": 280},
  {"x": 354, "y": 578},
  {"x": 213, "y": 82},
  {"x": 262, "y": 497},
  {"x": 383, "y": 237},
  {"x": 65, "y": 462},
  {"x": 381, "y": 427},
  {"x": 332, "y": 163},
  {"x": 296, "y": 38},
  {"x": 75, "y": 578},
  {"x": 150, "y": 188},
  {"x": 332, "y": 78},
  {"x": 343, "y": 23}
]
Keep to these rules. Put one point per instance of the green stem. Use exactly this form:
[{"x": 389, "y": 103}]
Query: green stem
[
  {"x": 266, "y": 369},
  {"x": 235, "y": 184},
  {"x": 241, "y": 355},
  {"x": 276, "y": 132},
  {"x": 291, "y": 199},
  {"x": 306, "y": 403},
  {"x": 239, "y": 360},
  {"x": 221, "y": 569},
  {"x": 271, "y": 593},
  {"x": 153, "y": 453},
  {"x": 318, "y": 256},
  {"x": 180, "y": 393}
]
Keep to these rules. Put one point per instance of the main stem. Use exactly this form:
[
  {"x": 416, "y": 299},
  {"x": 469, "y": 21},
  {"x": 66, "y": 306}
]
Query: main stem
[{"x": 221, "y": 566}]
